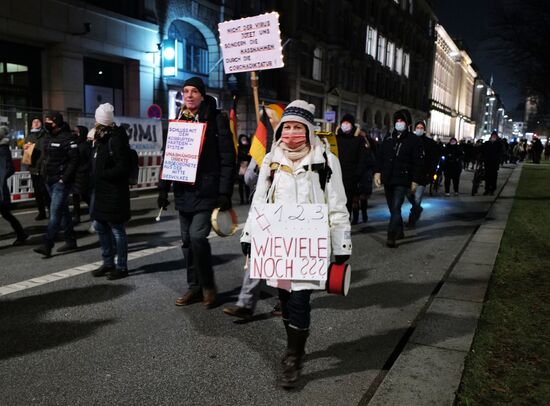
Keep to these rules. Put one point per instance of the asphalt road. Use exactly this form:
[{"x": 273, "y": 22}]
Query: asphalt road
[{"x": 82, "y": 340}]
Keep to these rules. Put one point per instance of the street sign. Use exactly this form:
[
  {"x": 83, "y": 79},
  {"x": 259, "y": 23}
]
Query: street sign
[
  {"x": 251, "y": 44},
  {"x": 330, "y": 116}
]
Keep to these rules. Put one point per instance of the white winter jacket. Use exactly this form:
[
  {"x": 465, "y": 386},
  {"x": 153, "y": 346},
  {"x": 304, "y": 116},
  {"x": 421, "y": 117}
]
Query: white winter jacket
[{"x": 297, "y": 187}]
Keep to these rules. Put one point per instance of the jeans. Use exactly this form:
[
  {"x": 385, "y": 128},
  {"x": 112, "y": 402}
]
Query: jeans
[
  {"x": 296, "y": 308},
  {"x": 250, "y": 291},
  {"x": 395, "y": 196},
  {"x": 197, "y": 254},
  {"x": 416, "y": 202},
  {"x": 59, "y": 214},
  {"x": 112, "y": 238}
]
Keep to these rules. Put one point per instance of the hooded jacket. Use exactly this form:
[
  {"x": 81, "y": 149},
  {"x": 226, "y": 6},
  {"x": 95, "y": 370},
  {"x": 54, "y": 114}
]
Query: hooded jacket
[{"x": 60, "y": 156}]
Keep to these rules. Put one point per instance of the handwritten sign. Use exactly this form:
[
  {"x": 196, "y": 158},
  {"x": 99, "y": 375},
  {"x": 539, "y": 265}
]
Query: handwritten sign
[
  {"x": 183, "y": 148},
  {"x": 289, "y": 241},
  {"x": 252, "y": 43}
]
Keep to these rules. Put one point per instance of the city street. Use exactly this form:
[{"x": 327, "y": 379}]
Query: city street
[{"x": 85, "y": 340}]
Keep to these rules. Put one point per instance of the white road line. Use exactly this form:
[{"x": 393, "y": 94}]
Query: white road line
[
  {"x": 78, "y": 270},
  {"x": 67, "y": 273}
]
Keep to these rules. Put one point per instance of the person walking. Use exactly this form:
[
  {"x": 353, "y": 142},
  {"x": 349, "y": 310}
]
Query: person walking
[
  {"x": 6, "y": 170},
  {"x": 452, "y": 167},
  {"x": 350, "y": 155},
  {"x": 243, "y": 162},
  {"x": 368, "y": 163},
  {"x": 491, "y": 155},
  {"x": 547, "y": 150},
  {"x": 400, "y": 168},
  {"x": 81, "y": 185},
  {"x": 110, "y": 200},
  {"x": 431, "y": 159},
  {"x": 537, "y": 149},
  {"x": 60, "y": 163},
  {"x": 213, "y": 188},
  {"x": 291, "y": 173},
  {"x": 35, "y": 140}
]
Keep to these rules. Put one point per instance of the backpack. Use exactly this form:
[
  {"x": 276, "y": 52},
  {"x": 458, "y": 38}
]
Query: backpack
[{"x": 133, "y": 174}]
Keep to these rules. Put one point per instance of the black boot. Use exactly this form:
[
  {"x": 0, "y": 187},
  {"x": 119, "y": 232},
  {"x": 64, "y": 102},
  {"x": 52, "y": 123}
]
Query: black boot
[
  {"x": 355, "y": 217},
  {"x": 364, "y": 215},
  {"x": 292, "y": 361}
]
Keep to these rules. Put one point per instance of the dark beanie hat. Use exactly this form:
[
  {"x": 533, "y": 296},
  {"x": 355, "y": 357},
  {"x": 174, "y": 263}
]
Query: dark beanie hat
[
  {"x": 420, "y": 122},
  {"x": 403, "y": 115},
  {"x": 197, "y": 82},
  {"x": 349, "y": 118},
  {"x": 56, "y": 117}
]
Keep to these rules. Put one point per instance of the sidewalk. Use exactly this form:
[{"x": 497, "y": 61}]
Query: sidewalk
[{"x": 429, "y": 369}]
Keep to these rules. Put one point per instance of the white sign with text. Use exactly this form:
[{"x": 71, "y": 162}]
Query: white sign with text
[
  {"x": 289, "y": 241},
  {"x": 252, "y": 43},
  {"x": 182, "y": 152}
]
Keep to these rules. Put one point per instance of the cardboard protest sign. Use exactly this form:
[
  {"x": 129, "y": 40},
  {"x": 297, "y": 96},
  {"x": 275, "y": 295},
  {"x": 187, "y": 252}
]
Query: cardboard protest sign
[
  {"x": 251, "y": 44},
  {"x": 182, "y": 152},
  {"x": 289, "y": 241}
]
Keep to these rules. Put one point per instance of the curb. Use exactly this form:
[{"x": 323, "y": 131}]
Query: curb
[{"x": 429, "y": 369}]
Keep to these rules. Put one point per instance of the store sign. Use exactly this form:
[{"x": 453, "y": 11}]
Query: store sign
[{"x": 251, "y": 44}]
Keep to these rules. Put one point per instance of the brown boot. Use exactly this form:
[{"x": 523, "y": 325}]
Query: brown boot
[
  {"x": 189, "y": 298},
  {"x": 209, "y": 298}
]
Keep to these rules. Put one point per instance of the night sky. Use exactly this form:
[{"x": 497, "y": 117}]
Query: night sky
[{"x": 472, "y": 22}]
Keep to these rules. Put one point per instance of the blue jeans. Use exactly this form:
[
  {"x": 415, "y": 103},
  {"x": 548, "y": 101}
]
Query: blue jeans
[
  {"x": 197, "y": 254},
  {"x": 250, "y": 291},
  {"x": 112, "y": 238},
  {"x": 395, "y": 196},
  {"x": 60, "y": 217},
  {"x": 416, "y": 202}
]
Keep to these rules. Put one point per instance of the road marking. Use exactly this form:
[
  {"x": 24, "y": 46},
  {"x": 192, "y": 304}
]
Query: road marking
[{"x": 78, "y": 270}]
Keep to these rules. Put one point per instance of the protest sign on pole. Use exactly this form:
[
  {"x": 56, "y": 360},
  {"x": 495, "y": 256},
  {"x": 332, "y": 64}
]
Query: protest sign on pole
[
  {"x": 251, "y": 43},
  {"x": 289, "y": 241},
  {"x": 182, "y": 152}
]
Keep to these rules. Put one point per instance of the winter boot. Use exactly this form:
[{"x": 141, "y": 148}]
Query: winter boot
[
  {"x": 364, "y": 215},
  {"x": 292, "y": 362},
  {"x": 355, "y": 217}
]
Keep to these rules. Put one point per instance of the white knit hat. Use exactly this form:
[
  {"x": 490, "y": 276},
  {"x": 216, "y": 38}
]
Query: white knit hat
[
  {"x": 302, "y": 112},
  {"x": 104, "y": 114}
]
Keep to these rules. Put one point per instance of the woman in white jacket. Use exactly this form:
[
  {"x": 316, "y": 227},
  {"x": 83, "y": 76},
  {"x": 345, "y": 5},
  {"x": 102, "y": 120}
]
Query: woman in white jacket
[{"x": 301, "y": 169}]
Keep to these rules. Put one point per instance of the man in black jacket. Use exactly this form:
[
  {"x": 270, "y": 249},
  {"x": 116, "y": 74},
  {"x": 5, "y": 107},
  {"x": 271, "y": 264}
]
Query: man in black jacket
[
  {"x": 213, "y": 188},
  {"x": 399, "y": 167},
  {"x": 60, "y": 163},
  {"x": 431, "y": 159},
  {"x": 491, "y": 153}
]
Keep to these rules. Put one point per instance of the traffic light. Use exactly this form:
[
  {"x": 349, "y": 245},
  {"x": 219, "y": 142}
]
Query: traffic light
[{"x": 169, "y": 57}]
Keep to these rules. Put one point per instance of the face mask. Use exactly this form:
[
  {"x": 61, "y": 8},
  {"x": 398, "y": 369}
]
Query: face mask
[
  {"x": 48, "y": 126},
  {"x": 293, "y": 139},
  {"x": 419, "y": 133},
  {"x": 400, "y": 126},
  {"x": 346, "y": 127},
  {"x": 453, "y": 143}
]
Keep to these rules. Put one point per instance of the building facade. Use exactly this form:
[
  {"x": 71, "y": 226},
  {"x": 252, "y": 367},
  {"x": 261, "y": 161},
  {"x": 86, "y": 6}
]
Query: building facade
[{"x": 452, "y": 90}]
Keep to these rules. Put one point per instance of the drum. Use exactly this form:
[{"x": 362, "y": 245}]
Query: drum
[
  {"x": 224, "y": 223},
  {"x": 339, "y": 279}
]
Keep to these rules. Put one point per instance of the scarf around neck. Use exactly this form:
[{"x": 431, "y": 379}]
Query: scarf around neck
[{"x": 295, "y": 154}]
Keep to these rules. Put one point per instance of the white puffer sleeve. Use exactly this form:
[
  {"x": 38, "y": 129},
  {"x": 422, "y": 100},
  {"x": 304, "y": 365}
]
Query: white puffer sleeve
[
  {"x": 260, "y": 195},
  {"x": 335, "y": 195}
]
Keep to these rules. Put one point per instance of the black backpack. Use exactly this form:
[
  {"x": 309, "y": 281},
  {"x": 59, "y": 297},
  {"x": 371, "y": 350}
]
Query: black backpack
[{"x": 133, "y": 174}]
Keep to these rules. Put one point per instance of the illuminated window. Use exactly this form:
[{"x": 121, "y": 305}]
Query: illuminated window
[{"x": 381, "y": 55}]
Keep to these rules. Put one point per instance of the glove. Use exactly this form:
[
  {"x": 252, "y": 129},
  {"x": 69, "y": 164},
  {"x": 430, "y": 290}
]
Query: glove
[
  {"x": 377, "y": 180},
  {"x": 224, "y": 202},
  {"x": 414, "y": 185},
  {"x": 340, "y": 259},
  {"x": 162, "y": 200},
  {"x": 245, "y": 247}
]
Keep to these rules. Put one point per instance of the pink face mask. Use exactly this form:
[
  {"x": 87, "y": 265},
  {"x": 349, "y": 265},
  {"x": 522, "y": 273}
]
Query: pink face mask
[{"x": 294, "y": 139}]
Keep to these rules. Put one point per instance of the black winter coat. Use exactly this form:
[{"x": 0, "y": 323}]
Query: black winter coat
[
  {"x": 350, "y": 154},
  {"x": 6, "y": 170},
  {"x": 453, "y": 160},
  {"x": 109, "y": 177},
  {"x": 82, "y": 176},
  {"x": 60, "y": 156},
  {"x": 400, "y": 159},
  {"x": 217, "y": 165},
  {"x": 432, "y": 155},
  {"x": 38, "y": 138},
  {"x": 491, "y": 152},
  {"x": 366, "y": 170}
]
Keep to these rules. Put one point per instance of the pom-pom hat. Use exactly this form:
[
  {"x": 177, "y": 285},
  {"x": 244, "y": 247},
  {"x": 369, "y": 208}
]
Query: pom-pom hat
[
  {"x": 299, "y": 111},
  {"x": 104, "y": 114}
]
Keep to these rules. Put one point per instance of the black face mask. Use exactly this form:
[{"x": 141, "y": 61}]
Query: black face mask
[{"x": 48, "y": 126}]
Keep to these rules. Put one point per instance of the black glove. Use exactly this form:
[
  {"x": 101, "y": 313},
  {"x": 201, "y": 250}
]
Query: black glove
[
  {"x": 245, "y": 246},
  {"x": 162, "y": 200},
  {"x": 224, "y": 202},
  {"x": 340, "y": 259}
]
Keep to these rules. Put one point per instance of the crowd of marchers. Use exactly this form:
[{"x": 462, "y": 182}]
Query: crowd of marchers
[{"x": 94, "y": 166}]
